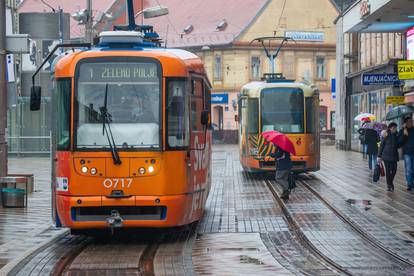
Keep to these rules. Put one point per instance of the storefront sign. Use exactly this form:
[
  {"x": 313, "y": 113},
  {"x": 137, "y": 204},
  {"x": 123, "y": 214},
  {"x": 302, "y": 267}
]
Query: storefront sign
[
  {"x": 365, "y": 8},
  {"x": 380, "y": 79},
  {"x": 395, "y": 100},
  {"x": 305, "y": 36},
  {"x": 220, "y": 98},
  {"x": 406, "y": 69}
]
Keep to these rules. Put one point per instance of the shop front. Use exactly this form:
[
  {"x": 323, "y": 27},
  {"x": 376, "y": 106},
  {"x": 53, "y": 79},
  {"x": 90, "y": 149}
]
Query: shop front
[{"x": 371, "y": 97}]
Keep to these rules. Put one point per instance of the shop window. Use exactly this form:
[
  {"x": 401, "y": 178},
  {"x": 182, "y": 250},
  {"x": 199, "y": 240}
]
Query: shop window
[
  {"x": 255, "y": 68},
  {"x": 217, "y": 68},
  {"x": 320, "y": 68}
]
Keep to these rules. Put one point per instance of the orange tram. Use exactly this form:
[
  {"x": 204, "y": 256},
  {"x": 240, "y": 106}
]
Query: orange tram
[
  {"x": 285, "y": 106},
  {"x": 131, "y": 137}
]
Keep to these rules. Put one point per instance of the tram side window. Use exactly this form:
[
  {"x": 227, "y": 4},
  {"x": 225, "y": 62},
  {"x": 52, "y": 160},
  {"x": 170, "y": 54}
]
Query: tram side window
[
  {"x": 310, "y": 115},
  {"x": 62, "y": 113},
  {"x": 178, "y": 132},
  {"x": 197, "y": 105},
  {"x": 253, "y": 116}
]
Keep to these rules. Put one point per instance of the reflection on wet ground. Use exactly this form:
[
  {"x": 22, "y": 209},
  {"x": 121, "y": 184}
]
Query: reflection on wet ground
[{"x": 234, "y": 254}]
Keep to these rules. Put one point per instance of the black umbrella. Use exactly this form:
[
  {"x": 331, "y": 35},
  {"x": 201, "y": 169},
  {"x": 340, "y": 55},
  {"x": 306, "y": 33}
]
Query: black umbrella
[{"x": 399, "y": 111}]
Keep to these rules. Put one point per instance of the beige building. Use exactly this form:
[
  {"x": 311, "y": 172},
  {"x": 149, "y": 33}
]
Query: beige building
[{"x": 220, "y": 32}]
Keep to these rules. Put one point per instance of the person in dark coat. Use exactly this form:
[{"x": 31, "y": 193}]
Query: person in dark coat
[
  {"x": 361, "y": 132},
  {"x": 406, "y": 140},
  {"x": 371, "y": 140},
  {"x": 388, "y": 153},
  {"x": 283, "y": 168}
]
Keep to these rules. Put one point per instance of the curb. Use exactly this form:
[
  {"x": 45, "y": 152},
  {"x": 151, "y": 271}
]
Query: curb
[{"x": 15, "y": 264}]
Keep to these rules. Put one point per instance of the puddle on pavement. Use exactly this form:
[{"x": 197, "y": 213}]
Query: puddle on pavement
[
  {"x": 234, "y": 254},
  {"x": 365, "y": 203}
]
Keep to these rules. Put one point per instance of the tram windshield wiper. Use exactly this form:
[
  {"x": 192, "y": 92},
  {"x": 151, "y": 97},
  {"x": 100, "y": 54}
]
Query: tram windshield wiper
[{"x": 106, "y": 128}]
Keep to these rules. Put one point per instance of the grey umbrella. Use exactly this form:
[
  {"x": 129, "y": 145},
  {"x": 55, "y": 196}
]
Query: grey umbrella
[{"x": 399, "y": 111}]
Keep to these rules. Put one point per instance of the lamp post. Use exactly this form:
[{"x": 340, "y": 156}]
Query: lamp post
[{"x": 3, "y": 91}]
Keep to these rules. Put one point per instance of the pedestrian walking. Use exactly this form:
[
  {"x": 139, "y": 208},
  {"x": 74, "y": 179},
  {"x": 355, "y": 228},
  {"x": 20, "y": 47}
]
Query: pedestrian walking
[
  {"x": 406, "y": 141},
  {"x": 283, "y": 168},
  {"x": 371, "y": 140},
  {"x": 361, "y": 132},
  {"x": 388, "y": 153}
]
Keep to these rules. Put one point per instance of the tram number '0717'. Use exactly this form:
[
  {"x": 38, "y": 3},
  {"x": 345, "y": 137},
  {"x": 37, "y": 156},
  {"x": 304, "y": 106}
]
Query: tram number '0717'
[{"x": 113, "y": 183}]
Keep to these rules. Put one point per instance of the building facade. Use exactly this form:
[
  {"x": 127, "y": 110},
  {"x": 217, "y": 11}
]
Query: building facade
[
  {"x": 232, "y": 60},
  {"x": 369, "y": 47}
]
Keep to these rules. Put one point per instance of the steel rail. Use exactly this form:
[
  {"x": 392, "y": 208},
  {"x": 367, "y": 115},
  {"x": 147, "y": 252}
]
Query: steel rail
[
  {"x": 366, "y": 236},
  {"x": 293, "y": 225}
]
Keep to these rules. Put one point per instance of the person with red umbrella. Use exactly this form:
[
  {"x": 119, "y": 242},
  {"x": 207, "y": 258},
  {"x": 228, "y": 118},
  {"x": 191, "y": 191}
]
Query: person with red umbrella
[{"x": 284, "y": 148}]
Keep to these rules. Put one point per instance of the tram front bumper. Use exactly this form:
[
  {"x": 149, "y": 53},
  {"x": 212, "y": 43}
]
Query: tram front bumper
[{"x": 80, "y": 212}]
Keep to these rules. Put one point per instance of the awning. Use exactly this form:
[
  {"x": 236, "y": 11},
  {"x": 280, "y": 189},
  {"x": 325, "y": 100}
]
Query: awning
[{"x": 376, "y": 16}]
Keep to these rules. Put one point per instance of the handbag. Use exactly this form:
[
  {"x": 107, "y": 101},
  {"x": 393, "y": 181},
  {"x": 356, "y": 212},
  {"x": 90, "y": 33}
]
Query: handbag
[
  {"x": 377, "y": 173},
  {"x": 292, "y": 181},
  {"x": 382, "y": 170}
]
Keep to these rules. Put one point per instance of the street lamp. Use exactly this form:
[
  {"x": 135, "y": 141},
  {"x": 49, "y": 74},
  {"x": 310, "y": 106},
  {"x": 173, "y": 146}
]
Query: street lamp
[{"x": 153, "y": 12}]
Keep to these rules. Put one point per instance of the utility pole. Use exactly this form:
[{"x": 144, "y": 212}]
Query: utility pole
[
  {"x": 3, "y": 91},
  {"x": 89, "y": 22}
]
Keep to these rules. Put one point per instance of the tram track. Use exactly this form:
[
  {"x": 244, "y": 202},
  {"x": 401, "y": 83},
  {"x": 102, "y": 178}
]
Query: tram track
[
  {"x": 129, "y": 252},
  {"x": 374, "y": 242},
  {"x": 294, "y": 225}
]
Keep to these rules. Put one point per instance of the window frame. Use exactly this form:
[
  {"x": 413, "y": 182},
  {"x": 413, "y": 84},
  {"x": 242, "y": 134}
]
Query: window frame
[
  {"x": 118, "y": 59},
  {"x": 188, "y": 83},
  {"x": 252, "y": 77},
  {"x": 216, "y": 76},
  {"x": 321, "y": 66},
  {"x": 55, "y": 113},
  {"x": 195, "y": 79},
  {"x": 249, "y": 118}
]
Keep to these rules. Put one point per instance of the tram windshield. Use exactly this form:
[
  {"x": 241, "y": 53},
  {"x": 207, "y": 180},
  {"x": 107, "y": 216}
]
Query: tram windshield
[
  {"x": 133, "y": 104},
  {"x": 282, "y": 110}
]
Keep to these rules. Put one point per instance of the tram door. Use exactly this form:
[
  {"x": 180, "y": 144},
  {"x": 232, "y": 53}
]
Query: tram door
[{"x": 200, "y": 146}]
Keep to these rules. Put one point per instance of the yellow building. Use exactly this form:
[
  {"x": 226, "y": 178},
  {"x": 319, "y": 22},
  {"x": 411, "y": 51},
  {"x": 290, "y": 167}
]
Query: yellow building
[{"x": 220, "y": 32}]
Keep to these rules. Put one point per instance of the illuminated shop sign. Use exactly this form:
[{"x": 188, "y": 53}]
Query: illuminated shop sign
[{"x": 305, "y": 36}]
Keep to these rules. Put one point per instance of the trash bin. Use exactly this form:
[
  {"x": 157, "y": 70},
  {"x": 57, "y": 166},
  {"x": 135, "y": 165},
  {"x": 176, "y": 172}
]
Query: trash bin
[{"x": 13, "y": 198}]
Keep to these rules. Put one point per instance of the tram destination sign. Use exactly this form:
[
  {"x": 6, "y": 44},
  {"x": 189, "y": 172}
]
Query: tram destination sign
[
  {"x": 118, "y": 72},
  {"x": 380, "y": 79}
]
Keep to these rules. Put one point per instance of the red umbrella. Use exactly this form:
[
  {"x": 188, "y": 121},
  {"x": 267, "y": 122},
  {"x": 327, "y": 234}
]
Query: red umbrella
[{"x": 279, "y": 140}]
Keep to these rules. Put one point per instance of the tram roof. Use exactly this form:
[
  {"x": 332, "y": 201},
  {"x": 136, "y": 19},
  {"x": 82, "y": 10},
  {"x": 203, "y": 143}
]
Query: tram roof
[
  {"x": 253, "y": 89},
  {"x": 175, "y": 62}
]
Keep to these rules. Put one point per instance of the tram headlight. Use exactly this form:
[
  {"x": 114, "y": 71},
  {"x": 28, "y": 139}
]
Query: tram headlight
[
  {"x": 94, "y": 171},
  {"x": 150, "y": 169},
  {"x": 141, "y": 170},
  {"x": 84, "y": 169}
]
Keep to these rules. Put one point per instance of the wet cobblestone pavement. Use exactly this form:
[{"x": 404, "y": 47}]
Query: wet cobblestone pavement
[
  {"x": 336, "y": 240},
  {"x": 244, "y": 230},
  {"x": 24, "y": 228}
]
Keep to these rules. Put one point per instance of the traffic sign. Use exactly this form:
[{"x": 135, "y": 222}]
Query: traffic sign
[
  {"x": 395, "y": 100},
  {"x": 406, "y": 69}
]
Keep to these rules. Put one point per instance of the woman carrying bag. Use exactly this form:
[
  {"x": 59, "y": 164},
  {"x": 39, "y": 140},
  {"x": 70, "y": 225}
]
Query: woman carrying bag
[{"x": 388, "y": 153}]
